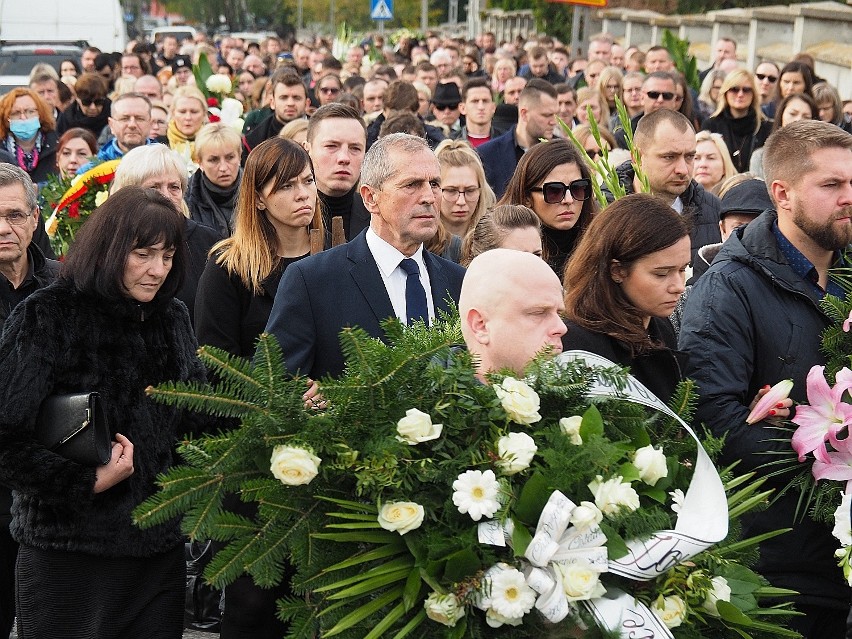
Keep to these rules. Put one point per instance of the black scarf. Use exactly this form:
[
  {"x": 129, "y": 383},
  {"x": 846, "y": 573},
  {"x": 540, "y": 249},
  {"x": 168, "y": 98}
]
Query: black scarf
[
  {"x": 558, "y": 246},
  {"x": 217, "y": 203},
  {"x": 742, "y": 139}
]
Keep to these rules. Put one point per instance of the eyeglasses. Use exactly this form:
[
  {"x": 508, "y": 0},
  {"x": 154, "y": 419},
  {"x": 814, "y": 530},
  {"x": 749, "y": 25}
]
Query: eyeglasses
[
  {"x": 554, "y": 192},
  {"x": 633, "y": 89},
  {"x": 446, "y": 107},
  {"x": 470, "y": 195},
  {"x": 23, "y": 115},
  {"x": 592, "y": 153},
  {"x": 743, "y": 90},
  {"x": 330, "y": 90},
  {"x": 89, "y": 103},
  {"x": 771, "y": 78},
  {"x": 15, "y": 218},
  {"x": 668, "y": 96},
  {"x": 612, "y": 87}
]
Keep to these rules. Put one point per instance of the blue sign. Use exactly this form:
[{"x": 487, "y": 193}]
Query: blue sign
[{"x": 381, "y": 9}]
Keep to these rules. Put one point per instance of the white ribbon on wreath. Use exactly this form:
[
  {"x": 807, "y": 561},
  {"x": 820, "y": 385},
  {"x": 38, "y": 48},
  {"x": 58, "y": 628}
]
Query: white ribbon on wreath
[{"x": 702, "y": 521}]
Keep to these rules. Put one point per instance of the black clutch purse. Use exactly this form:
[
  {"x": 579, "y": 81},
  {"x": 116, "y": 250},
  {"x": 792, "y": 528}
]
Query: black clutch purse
[{"x": 75, "y": 427}]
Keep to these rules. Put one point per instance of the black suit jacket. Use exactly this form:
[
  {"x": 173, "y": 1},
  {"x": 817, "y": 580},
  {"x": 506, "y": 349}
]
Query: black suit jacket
[
  {"x": 499, "y": 160},
  {"x": 321, "y": 295}
]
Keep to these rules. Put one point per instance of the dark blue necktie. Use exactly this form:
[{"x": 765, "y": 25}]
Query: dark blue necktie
[{"x": 415, "y": 295}]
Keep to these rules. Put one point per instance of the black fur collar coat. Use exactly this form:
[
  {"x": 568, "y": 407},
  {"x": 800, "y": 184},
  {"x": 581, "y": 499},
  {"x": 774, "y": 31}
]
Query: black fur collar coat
[{"x": 59, "y": 340}]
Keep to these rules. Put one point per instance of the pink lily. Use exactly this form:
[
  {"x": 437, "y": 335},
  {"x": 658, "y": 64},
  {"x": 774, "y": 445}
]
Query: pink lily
[
  {"x": 847, "y": 323},
  {"x": 774, "y": 395},
  {"x": 838, "y": 467},
  {"x": 825, "y": 416}
]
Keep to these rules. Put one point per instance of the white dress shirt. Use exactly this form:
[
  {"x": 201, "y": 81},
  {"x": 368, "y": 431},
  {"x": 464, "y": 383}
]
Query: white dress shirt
[{"x": 388, "y": 259}]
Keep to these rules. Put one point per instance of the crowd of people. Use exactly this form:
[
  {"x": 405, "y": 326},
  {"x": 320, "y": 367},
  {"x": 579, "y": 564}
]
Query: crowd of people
[{"x": 359, "y": 189}]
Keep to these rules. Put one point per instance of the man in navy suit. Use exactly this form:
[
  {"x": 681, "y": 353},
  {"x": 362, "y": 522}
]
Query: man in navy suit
[
  {"x": 361, "y": 283},
  {"x": 537, "y": 108}
]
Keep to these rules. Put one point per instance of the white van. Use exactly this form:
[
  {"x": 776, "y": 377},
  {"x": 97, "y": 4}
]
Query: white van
[{"x": 99, "y": 22}]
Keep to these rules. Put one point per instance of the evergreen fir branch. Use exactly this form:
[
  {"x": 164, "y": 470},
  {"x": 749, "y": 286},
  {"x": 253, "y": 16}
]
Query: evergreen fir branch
[
  {"x": 231, "y": 368},
  {"x": 201, "y": 399},
  {"x": 269, "y": 365},
  {"x": 182, "y": 487}
]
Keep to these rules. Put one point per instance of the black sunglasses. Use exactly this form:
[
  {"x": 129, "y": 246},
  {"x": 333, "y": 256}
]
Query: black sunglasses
[
  {"x": 655, "y": 95},
  {"x": 446, "y": 107},
  {"x": 771, "y": 78},
  {"x": 95, "y": 102},
  {"x": 554, "y": 192}
]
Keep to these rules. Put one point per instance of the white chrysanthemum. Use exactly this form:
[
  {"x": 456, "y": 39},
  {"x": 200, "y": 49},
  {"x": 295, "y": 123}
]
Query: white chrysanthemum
[
  {"x": 510, "y": 596},
  {"x": 475, "y": 493}
]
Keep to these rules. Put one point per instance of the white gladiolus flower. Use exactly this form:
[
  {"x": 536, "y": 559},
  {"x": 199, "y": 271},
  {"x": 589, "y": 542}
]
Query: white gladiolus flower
[
  {"x": 570, "y": 426},
  {"x": 417, "y": 427},
  {"x": 671, "y": 610},
  {"x": 401, "y": 516},
  {"x": 721, "y": 592},
  {"x": 294, "y": 466},
  {"x": 677, "y": 499},
  {"x": 842, "y": 525},
  {"x": 516, "y": 451},
  {"x": 520, "y": 402},
  {"x": 475, "y": 493},
  {"x": 445, "y": 609},
  {"x": 614, "y": 494},
  {"x": 651, "y": 463}
]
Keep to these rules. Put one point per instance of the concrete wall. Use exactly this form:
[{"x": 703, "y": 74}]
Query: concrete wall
[{"x": 776, "y": 33}]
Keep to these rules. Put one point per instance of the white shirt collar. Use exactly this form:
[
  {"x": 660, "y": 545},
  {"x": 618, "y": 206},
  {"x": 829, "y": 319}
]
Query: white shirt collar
[{"x": 387, "y": 256}]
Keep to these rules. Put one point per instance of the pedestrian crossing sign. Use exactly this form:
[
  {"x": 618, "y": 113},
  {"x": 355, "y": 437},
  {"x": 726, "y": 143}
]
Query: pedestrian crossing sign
[{"x": 381, "y": 10}]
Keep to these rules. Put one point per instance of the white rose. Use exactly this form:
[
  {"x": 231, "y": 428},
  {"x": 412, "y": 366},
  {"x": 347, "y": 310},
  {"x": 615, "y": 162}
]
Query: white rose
[
  {"x": 294, "y": 466},
  {"x": 516, "y": 451},
  {"x": 417, "y": 427},
  {"x": 580, "y": 581},
  {"x": 651, "y": 463},
  {"x": 721, "y": 592},
  {"x": 586, "y": 515},
  {"x": 670, "y": 610},
  {"x": 520, "y": 402},
  {"x": 218, "y": 83},
  {"x": 101, "y": 197},
  {"x": 842, "y": 525},
  {"x": 444, "y": 609},
  {"x": 614, "y": 494},
  {"x": 401, "y": 516},
  {"x": 570, "y": 426}
]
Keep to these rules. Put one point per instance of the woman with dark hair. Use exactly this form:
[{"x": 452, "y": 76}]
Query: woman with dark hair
[
  {"x": 110, "y": 325},
  {"x": 795, "y": 77},
  {"x": 510, "y": 226},
  {"x": 158, "y": 167},
  {"x": 738, "y": 118},
  {"x": 69, "y": 67},
  {"x": 76, "y": 147},
  {"x": 830, "y": 106},
  {"x": 276, "y": 209},
  {"x": 90, "y": 110},
  {"x": 27, "y": 132},
  {"x": 621, "y": 285},
  {"x": 554, "y": 181}
]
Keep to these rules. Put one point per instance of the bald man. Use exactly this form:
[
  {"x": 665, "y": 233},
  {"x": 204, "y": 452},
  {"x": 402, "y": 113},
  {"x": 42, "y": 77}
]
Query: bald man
[{"x": 510, "y": 306}]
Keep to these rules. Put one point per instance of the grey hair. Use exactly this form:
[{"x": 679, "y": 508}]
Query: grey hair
[
  {"x": 11, "y": 174},
  {"x": 378, "y": 167},
  {"x": 144, "y": 162}
]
